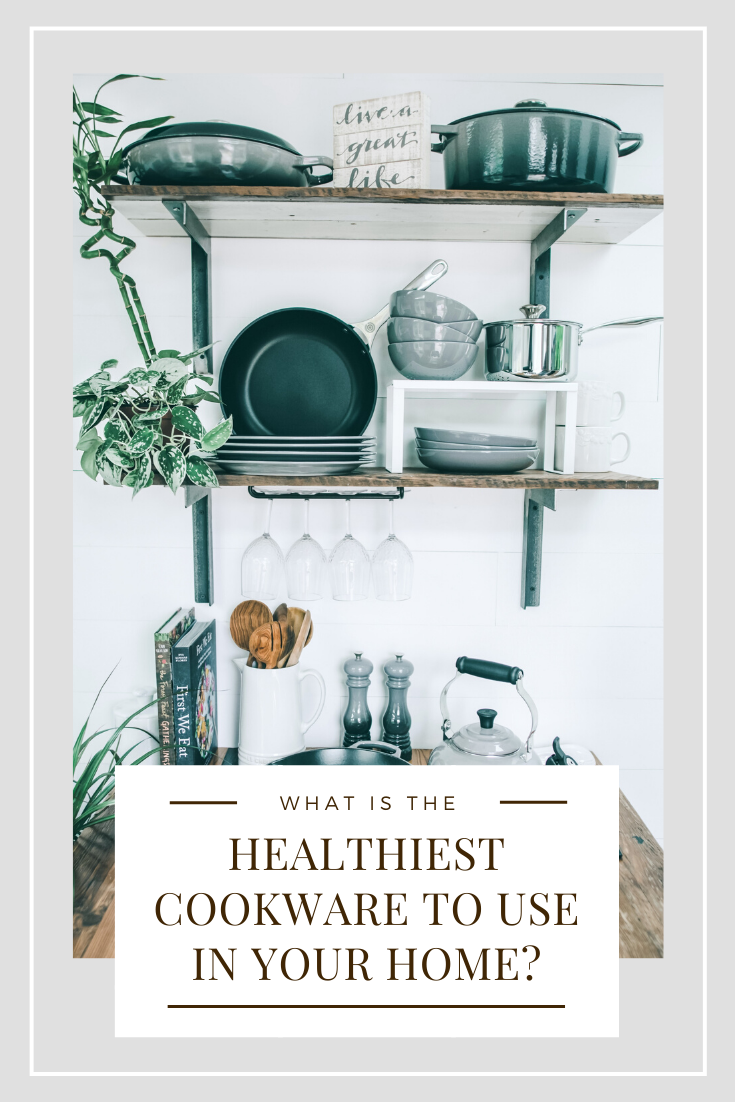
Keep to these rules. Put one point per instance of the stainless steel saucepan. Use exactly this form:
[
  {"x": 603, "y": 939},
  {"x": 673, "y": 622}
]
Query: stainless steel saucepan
[{"x": 536, "y": 348}]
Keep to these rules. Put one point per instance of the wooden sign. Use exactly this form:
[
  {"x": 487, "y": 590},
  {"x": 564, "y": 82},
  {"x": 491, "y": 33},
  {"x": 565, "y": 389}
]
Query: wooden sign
[{"x": 383, "y": 142}]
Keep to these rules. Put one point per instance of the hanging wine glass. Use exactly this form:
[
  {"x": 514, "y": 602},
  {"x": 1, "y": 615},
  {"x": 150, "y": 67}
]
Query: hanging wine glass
[
  {"x": 392, "y": 567},
  {"x": 262, "y": 566},
  {"x": 349, "y": 567},
  {"x": 306, "y": 567}
]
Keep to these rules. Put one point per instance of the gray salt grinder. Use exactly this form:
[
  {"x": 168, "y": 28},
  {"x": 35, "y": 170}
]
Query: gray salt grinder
[
  {"x": 357, "y": 719},
  {"x": 396, "y": 719}
]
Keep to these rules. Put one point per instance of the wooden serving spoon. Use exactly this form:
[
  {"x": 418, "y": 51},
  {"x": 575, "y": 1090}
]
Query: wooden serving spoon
[
  {"x": 266, "y": 643},
  {"x": 301, "y": 641},
  {"x": 295, "y": 620},
  {"x": 248, "y": 616}
]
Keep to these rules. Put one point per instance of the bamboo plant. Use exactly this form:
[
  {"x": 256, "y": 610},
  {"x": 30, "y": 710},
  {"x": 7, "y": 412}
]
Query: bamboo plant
[{"x": 130, "y": 410}]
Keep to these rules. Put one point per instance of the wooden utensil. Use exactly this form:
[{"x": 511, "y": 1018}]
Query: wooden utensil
[
  {"x": 281, "y": 613},
  {"x": 295, "y": 620},
  {"x": 266, "y": 643},
  {"x": 248, "y": 616},
  {"x": 301, "y": 640}
]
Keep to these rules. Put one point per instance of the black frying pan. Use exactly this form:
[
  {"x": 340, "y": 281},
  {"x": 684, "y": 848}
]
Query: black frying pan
[
  {"x": 360, "y": 753},
  {"x": 302, "y": 372}
]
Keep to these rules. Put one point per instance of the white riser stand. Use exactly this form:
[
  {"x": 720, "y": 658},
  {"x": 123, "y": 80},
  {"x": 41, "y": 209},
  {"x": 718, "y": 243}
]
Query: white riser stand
[{"x": 400, "y": 389}]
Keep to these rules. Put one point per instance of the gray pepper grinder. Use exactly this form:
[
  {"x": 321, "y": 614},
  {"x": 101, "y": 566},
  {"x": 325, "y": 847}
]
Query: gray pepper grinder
[
  {"x": 357, "y": 719},
  {"x": 396, "y": 719}
]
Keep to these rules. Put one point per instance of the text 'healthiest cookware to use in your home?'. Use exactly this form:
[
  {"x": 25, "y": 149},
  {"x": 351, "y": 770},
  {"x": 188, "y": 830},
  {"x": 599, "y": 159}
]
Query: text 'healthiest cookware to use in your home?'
[
  {"x": 533, "y": 147},
  {"x": 303, "y": 372},
  {"x": 218, "y": 152},
  {"x": 536, "y": 348}
]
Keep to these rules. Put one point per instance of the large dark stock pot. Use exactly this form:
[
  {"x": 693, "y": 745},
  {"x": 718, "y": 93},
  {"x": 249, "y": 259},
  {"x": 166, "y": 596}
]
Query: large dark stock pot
[{"x": 532, "y": 147}]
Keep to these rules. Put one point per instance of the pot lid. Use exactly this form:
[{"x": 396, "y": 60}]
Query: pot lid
[
  {"x": 532, "y": 314},
  {"x": 536, "y": 107},
  {"x": 487, "y": 739},
  {"x": 216, "y": 128}
]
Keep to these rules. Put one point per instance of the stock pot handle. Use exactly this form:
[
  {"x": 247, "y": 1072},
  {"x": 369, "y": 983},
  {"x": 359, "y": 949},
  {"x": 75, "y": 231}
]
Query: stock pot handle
[
  {"x": 621, "y": 323},
  {"x": 378, "y": 747},
  {"x": 637, "y": 140},
  {"x": 493, "y": 671},
  {"x": 447, "y": 132},
  {"x": 307, "y": 163}
]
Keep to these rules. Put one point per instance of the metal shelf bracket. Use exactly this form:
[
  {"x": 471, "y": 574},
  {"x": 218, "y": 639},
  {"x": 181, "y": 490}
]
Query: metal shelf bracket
[
  {"x": 199, "y": 497},
  {"x": 541, "y": 254},
  {"x": 534, "y": 503}
]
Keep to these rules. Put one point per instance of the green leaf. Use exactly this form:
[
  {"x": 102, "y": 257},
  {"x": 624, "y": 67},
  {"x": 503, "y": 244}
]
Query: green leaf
[
  {"x": 168, "y": 353},
  {"x": 137, "y": 375},
  {"x": 108, "y": 365},
  {"x": 152, "y": 377},
  {"x": 88, "y": 439},
  {"x": 115, "y": 431},
  {"x": 118, "y": 456},
  {"x": 109, "y": 474},
  {"x": 103, "y": 133},
  {"x": 95, "y": 413},
  {"x": 199, "y": 472},
  {"x": 97, "y": 108},
  {"x": 171, "y": 462},
  {"x": 140, "y": 477},
  {"x": 141, "y": 442},
  {"x": 217, "y": 436},
  {"x": 144, "y": 420},
  {"x": 89, "y": 460},
  {"x": 146, "y": 124},
  {"x": 175, "y": 390},
  {"x": 189, "y": 356},
  {"x": 186, "y": 420},
  {"x": 80, "y": 405},
  {"x": 202, "y": 396}
]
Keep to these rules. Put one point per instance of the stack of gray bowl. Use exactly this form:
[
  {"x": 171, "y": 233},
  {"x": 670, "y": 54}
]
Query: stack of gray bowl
[
  {"x": 431, "y": 336},
  {"x": 454, "y": 452}
]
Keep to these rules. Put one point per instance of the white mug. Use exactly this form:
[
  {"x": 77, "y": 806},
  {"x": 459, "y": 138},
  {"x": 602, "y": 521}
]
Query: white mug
[
  {"x": 595, "y": 404},
  {"x": 592, "y": 448},
  {"x": 270, "y": 712}
]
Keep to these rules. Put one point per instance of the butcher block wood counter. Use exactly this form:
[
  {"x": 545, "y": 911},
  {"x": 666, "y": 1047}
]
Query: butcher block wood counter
[{"x": 641, "y": 886}]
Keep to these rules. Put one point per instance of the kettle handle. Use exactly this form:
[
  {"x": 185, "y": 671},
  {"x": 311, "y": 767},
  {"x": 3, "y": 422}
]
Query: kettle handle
[{"x": 493, "y": 671}]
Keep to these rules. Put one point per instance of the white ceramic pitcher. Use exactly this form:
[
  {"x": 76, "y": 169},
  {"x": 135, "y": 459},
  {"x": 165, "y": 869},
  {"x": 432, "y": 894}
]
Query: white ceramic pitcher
[{"x": 270, "y": 712}]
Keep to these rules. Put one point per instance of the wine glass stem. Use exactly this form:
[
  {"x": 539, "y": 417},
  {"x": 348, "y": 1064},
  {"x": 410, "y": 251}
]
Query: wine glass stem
[
  {"x": 348, "y": 503},
  {"x": 268, "y": 517},
  {"x": 306, "y": 521},
  {"x": 392, "y": 528}
]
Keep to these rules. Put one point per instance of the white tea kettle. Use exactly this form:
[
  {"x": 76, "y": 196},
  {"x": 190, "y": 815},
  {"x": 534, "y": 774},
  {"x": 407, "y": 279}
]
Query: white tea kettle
[{"x": 486, "y": 742}]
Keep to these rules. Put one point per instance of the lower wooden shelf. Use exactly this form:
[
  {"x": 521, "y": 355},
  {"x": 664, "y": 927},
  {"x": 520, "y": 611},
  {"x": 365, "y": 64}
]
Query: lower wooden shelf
[{"x": 411, "y": 477}]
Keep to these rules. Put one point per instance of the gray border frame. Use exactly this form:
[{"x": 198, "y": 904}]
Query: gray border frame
[{"x": 659, "y": 1049}]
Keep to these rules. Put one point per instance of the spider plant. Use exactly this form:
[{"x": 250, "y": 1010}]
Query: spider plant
[{"x": 93, "y": 789}]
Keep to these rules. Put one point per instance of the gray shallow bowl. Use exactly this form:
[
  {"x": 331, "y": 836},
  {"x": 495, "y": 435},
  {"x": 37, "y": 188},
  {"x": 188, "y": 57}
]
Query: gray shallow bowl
[
  {"x": 495, "y": 462},
  {"x": 429, "y": 306},
  {"x": 438, "y": 360},
  {"x": 471, "y": 328},
  {"x": 415, "y": 329},
  {"x": 441, "y": 446},
  {"x": 458, "y": 436}
]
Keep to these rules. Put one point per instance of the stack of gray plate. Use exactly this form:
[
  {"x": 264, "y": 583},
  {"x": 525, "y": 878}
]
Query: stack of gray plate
[
  {"x": 294, "y": 455},
  {"x": 454, "y": 452},
  {"x": 431, "y": 336}
]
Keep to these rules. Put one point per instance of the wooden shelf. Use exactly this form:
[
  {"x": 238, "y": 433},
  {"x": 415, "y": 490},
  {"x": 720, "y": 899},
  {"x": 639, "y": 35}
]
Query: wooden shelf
[
  {"x": 417, "y": 477},
  {"x": 383, "y": 214}
]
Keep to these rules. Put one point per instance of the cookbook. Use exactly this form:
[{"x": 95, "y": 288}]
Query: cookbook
[{"x": 194, "y": 672}]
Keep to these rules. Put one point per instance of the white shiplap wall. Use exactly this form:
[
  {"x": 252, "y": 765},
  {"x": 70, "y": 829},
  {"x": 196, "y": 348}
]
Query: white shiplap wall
[{"x": 592, "y": 651}]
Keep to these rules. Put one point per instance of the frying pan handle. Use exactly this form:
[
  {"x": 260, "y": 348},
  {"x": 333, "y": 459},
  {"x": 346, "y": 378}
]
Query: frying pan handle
[
  {"x": 379, "y": 747},
  {"x": 429, "y": 276}
]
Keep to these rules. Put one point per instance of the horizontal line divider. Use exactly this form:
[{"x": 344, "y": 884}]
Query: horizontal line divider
[
  {"x": 532, "y": 801},
  {"x": 366, "y": 1006},
  {"x": 203, "y": 801}
]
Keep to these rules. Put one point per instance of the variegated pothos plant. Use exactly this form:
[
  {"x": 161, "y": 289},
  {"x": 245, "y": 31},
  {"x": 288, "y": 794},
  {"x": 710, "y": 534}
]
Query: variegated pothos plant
[{"x": 122, "y": 437}]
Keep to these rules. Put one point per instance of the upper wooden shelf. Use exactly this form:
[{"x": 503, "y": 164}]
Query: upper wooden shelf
[
  {"x": 417, "y": 477},
  {"x": 383, "y": 214}
]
